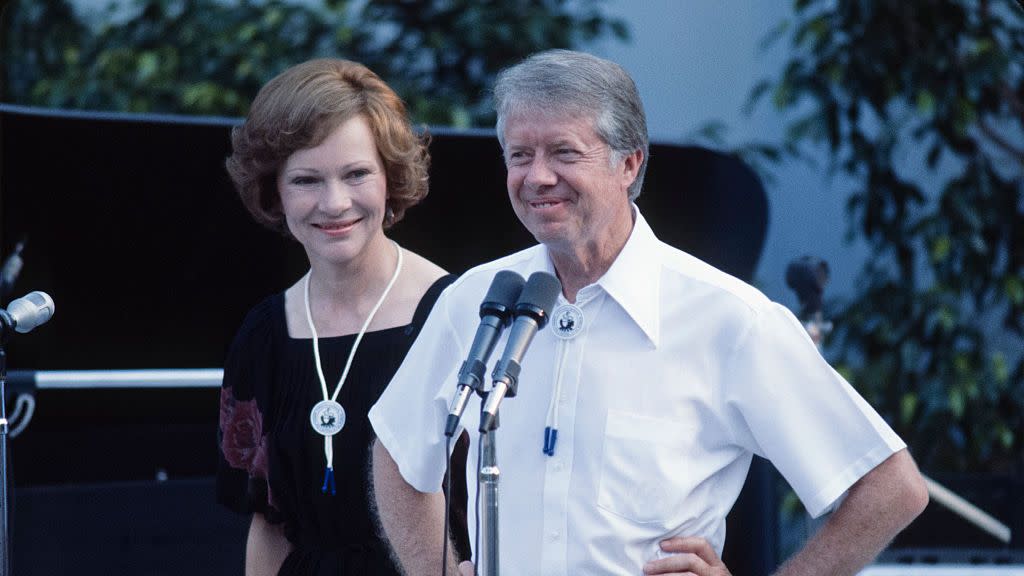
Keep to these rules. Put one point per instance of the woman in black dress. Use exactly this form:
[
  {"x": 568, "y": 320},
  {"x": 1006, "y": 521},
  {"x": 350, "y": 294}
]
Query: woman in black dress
[{"x": 326, "y": 156}]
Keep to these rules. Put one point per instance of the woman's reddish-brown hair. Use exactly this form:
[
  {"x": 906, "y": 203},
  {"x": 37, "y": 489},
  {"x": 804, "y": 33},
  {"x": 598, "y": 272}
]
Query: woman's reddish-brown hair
[{"x": 298, "y": 109}]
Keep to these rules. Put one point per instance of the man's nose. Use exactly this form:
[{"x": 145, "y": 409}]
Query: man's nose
[{"x": 540, "y": 174}]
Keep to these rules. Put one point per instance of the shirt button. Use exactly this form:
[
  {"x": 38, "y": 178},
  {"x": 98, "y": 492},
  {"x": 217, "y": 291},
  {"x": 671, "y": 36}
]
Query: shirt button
[
  {"x": 563, "y": 398},
  {"x": 554, "y": 535},
  {"x": 557, "y": 465}
]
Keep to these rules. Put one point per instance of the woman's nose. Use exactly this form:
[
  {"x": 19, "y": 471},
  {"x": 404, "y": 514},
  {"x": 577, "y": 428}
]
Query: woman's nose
[{"x": 335, "y": 199}]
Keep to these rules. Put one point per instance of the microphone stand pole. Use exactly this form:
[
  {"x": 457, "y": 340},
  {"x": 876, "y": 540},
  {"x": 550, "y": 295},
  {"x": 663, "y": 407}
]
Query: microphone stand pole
[
  {"x": 489, "y": 477},
  {"x": 490, "y": 474},
  {"x": 5, "y": 548}
]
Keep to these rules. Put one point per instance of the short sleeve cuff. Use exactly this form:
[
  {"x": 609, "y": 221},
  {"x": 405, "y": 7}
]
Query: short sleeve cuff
[
  {"x": 416, "y": 469},
  {"x": 827, "y": 497}
]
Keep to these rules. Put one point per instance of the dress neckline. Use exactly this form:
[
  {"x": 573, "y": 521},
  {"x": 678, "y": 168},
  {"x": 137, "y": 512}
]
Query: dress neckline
[{"x": 352, "y": 336}]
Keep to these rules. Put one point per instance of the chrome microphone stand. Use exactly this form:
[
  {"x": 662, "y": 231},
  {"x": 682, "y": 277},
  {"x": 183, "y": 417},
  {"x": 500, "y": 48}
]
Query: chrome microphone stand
[
  {"x": 8, "y": 274},
  {"x": 490, "y": 474},
  {"x": 531, "y": 313},
  {"x": 5, "y": 548},
  {"x": 21, "y": 315}
]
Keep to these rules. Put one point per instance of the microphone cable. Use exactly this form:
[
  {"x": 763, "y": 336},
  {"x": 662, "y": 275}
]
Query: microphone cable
[
  {"x": 447, "y": 489},
  {"x": 24, "y": 408},
  {"x": 447, "y": 501},
  {"x": 447, "y": 483},
  {"x": 476, "y": 504}
]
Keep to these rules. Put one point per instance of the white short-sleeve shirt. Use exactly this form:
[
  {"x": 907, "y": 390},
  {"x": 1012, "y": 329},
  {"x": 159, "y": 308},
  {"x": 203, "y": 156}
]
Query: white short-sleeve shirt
[{"x": 677, "y": 376}]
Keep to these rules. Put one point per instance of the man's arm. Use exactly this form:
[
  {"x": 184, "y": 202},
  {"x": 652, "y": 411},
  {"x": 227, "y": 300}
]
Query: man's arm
[
  {"x": 412, "y": 521},
  {"x": 876, "y": 508}
]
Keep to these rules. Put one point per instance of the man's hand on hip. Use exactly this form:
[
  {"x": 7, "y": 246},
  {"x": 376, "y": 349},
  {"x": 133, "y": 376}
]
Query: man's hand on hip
[{"x": 687, "y": 556}]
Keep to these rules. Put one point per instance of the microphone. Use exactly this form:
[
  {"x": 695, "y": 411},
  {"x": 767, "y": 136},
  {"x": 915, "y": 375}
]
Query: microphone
[
  {"x": 531, "y": 312},
  {"x": 807, "y": 277},
  {"x": 10, "y": 269},
  {"x": 26, "y": 313},
  {"x": 495, "y": 316}
]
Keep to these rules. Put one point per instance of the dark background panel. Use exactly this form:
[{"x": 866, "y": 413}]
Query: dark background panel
[
  {"x": 167, "y": 528},
  {"x": 136, "y": 232},
  {"x": 109, "y": 435}
]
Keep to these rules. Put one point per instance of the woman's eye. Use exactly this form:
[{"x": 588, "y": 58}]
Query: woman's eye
[
  {"x": 303, "y": 180},
  {"x": 359, "y": 173}
]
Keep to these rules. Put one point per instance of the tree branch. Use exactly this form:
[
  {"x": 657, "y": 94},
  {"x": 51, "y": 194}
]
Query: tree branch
[
  {"x": 1000, "y": 141},
  {"x": 1011, "y": 97}
]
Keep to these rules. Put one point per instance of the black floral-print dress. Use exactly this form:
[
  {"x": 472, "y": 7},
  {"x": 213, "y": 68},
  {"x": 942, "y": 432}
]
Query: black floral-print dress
[{"x": 272, "y": 461}]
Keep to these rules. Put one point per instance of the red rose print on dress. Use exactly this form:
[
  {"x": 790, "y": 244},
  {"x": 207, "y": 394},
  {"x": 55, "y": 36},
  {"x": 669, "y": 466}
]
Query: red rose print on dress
[{"x": 242, "y": 440}]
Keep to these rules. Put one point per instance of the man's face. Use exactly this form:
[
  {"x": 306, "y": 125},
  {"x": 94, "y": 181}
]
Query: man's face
[{"x": 564, "y": 186}]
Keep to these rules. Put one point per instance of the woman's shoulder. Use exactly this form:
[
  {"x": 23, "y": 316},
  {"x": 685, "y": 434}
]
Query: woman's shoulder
[
  {"x": 245, "y": 366},
  {"x": 260, "y": 322},
  {"x": 266, "y": 311},
  {"x": 425, "y": 281},
  {"x": 422, "y": 272},
  {"x": 419, "y": 275}
]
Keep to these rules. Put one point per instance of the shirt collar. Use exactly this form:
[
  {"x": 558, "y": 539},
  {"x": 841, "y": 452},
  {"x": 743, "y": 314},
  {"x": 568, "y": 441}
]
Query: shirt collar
[{"x": 634, "y": 278}]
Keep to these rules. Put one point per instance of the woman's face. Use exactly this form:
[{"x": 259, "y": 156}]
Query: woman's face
[{"x": 333, "y": 195}]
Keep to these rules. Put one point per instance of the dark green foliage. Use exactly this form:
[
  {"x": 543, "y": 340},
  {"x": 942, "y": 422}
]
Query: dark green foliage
[
  {"x": 442, "y": 55},
  {"x": 174, "y": 56},
  {"x": 922, "y": 104},
  {"x": 210, "y": 56}
]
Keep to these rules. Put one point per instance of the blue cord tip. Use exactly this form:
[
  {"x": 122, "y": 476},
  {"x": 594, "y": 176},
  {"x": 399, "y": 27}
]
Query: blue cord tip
[
  {"x": 550, "y": 438},
  {"x": 328, "y": 487}
]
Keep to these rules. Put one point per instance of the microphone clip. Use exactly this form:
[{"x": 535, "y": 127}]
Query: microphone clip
[
  {"x": 7, "y": 326},
  {"x": 471, "y": 375},
  {"x": 507, "y": 371},
  {"x": 506, "y": 384},
  {"x": 471, "y": 379}
]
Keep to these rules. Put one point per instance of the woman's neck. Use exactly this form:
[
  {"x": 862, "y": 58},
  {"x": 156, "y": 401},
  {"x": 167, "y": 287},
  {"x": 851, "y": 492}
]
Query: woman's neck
[{"x": 353, "y": 288}]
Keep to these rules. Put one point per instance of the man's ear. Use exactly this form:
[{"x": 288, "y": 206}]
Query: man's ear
[{"x": 631, "y": 164}]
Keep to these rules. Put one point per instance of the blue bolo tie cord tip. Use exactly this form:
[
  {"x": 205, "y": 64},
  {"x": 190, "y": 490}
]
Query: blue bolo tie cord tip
[
  {"x": 550, "y": 438},
  {"x": 328, "y": 487}
]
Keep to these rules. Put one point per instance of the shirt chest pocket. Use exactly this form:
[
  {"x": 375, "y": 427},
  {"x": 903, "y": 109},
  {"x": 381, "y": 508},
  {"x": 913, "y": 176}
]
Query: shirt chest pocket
[{"x": 643, "y": 467}]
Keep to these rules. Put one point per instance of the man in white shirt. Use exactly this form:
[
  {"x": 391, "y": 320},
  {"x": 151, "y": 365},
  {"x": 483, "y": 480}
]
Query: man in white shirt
[{"x": 662, "y": 378}]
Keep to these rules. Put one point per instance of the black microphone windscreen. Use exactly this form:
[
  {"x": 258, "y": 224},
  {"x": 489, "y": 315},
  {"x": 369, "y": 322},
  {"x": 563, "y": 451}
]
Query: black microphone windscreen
[
  {"x": 807, "y": 277},
  {"x": 541, "y": 292},
  {"x": 504, "y": 291}
]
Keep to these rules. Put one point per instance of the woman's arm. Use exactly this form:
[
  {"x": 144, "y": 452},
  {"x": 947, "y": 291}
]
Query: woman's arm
[{"x": 266, "y": 547}]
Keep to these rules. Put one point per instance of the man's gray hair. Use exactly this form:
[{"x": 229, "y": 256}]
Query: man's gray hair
[{"x": 578, "y": 85}]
